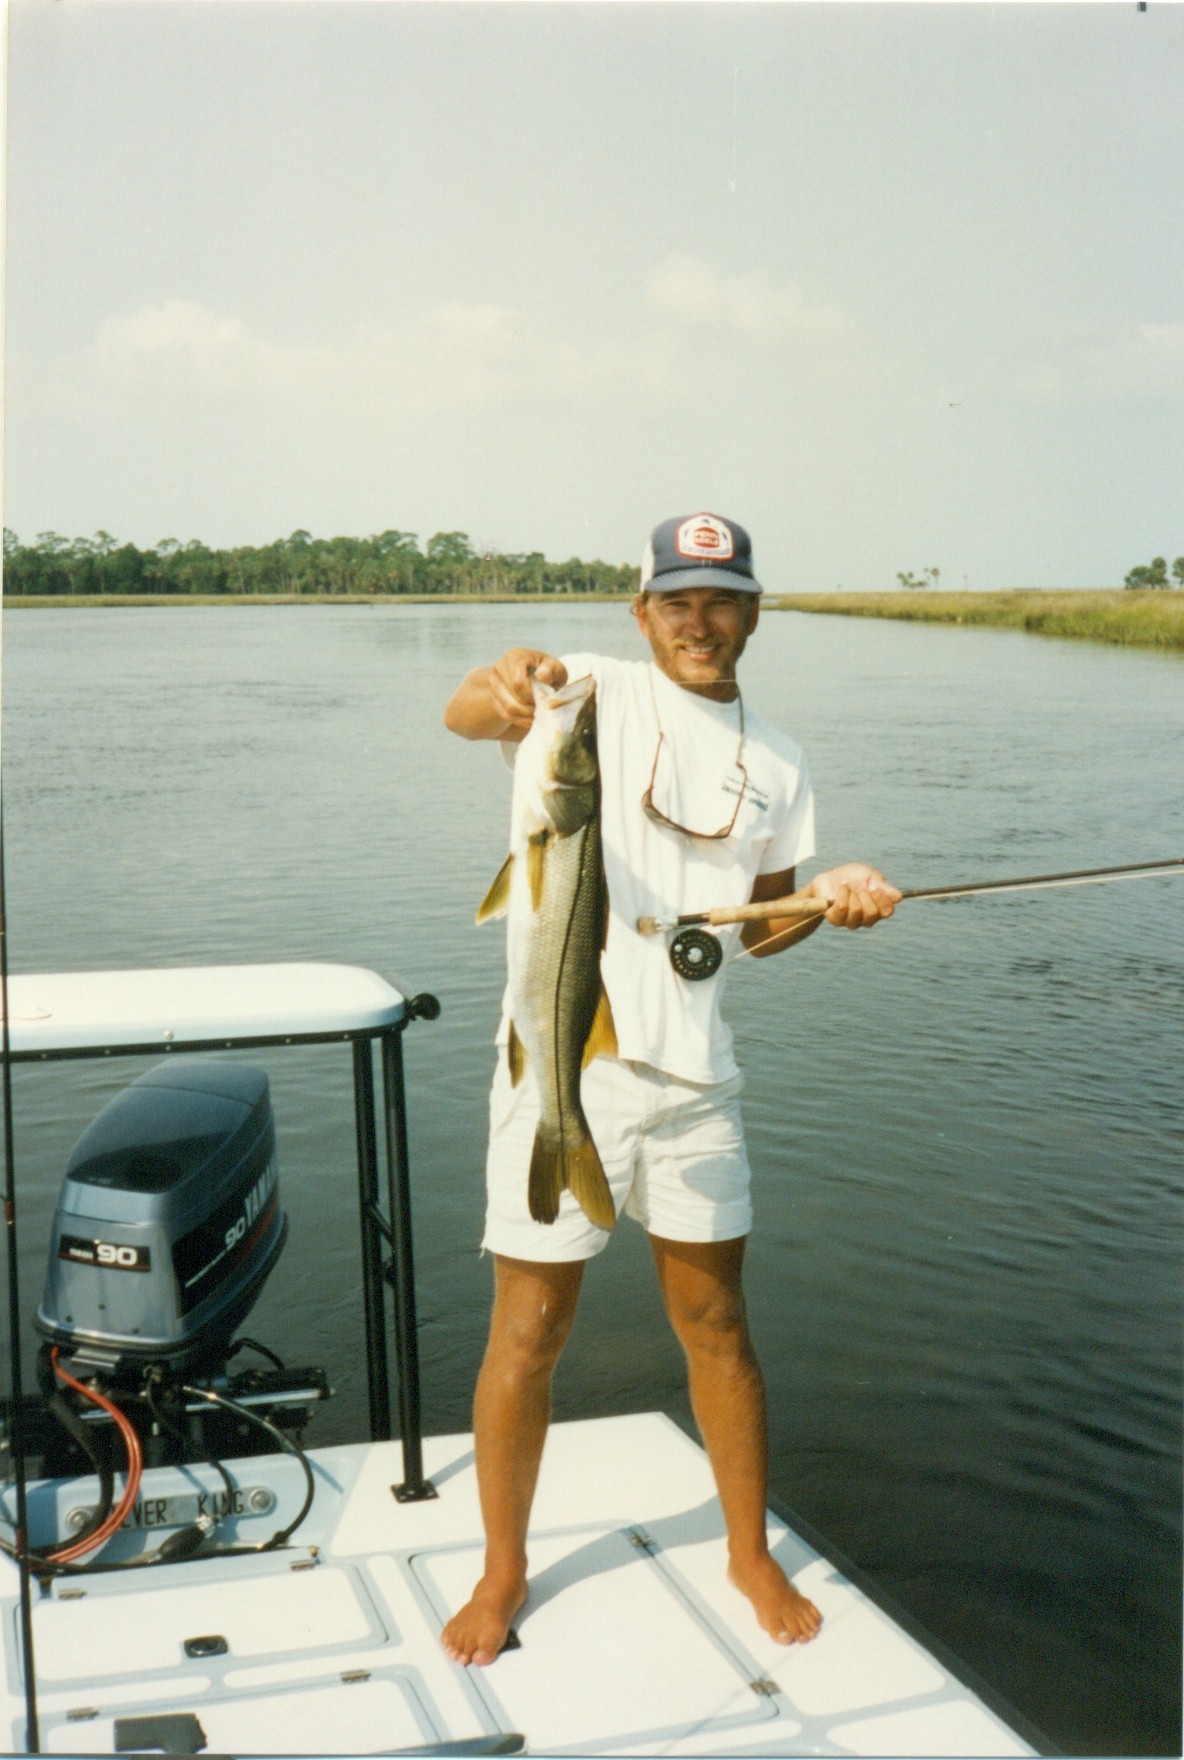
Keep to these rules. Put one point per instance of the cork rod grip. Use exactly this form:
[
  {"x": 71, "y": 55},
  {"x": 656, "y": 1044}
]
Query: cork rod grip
[{"x": 795, "y": 904}]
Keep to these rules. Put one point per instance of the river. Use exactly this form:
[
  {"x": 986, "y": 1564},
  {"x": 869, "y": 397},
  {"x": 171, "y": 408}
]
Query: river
[{"x": 965, "y": 1127}]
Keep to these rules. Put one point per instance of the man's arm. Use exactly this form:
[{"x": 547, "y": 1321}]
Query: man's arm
[
  {"x": 857, "y": 897},
  {"x": 496, "y": 702}
]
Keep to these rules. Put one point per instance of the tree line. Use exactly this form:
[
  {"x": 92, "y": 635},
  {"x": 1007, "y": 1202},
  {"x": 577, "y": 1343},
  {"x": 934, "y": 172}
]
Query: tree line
[
  {"x": 1155, "y": 574},
  {"x": 391, "y": 562},
  {"x": 1146, "y": 575}
]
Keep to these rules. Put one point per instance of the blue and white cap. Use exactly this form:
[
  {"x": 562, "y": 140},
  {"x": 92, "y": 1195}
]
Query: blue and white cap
[{"x": 698, "y": 550}]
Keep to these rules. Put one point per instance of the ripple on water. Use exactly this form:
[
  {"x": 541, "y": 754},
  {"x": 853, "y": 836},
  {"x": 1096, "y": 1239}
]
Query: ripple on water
[{"x": 965, "y": 1129}]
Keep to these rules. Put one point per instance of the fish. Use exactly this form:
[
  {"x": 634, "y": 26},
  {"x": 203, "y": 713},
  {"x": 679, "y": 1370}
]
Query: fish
[{"x": 552, "y": 891}]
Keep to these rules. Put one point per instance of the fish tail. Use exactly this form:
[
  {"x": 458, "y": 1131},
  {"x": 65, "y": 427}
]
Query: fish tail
[
  {"x": 546, "y": 1176},
  {"x": 589, "y": 1187},
  {"x": 556, "y": 1166}
]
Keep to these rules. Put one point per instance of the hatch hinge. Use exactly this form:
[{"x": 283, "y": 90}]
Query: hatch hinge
[
  {"x": 764, "y": 1688},
  {"x": 639, "y": 1538}
]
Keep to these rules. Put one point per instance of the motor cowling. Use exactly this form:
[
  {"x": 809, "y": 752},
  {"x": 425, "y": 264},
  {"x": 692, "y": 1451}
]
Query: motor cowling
[{"x": 168, "y": 1222}]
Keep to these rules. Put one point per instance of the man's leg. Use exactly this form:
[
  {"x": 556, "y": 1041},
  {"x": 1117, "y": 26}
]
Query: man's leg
[
  {"x": 533, "y": 1309},
  {"x": 701, "y": 1288}
]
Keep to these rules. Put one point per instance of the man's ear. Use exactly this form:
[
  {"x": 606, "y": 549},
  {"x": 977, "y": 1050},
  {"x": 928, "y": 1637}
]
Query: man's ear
[{"x": 754, "y": 614}]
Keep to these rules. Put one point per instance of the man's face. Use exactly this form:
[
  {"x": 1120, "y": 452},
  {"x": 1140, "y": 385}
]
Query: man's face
[{"x": 698, "y": 634}]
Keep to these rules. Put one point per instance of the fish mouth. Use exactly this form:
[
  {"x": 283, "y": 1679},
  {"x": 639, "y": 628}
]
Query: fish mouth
[
  {"x": 572, "y": 756},
  {"x": 576, "y": 690}
]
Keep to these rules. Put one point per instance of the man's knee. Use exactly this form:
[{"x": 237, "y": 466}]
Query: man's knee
[
  {"x": 531, "y": 1341},
  {"x": 533, "y": 1313},
  {"x": 711, "y": 1325},
  {"x": 703, "y": 1294}
]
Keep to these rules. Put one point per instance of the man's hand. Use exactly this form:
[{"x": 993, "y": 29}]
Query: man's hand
[
  {"x": 496, "y": 702},
  {"x": 858, "y": 896}
]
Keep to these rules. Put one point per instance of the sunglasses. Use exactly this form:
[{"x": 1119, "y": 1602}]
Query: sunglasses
[{"x": 661, "y": 818}]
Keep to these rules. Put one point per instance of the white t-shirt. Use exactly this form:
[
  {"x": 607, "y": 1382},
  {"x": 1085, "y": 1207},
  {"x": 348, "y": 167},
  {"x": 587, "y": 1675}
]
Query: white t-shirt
[{"x": 654, "y": 870}]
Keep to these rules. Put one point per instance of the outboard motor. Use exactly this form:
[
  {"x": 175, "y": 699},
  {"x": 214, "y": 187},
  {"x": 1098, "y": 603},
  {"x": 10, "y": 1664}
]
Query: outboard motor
[
  {"x": 167, "y": 1226},
  {"x": 168, "y": 1223}
]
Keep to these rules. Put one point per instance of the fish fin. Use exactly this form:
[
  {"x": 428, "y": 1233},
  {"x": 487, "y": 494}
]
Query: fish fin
[
  {"x": 497, "y": 899},
  {"x": 546, "y": 1177},
  {"x": 536, "y": 866},
  {"x": 589, "y": 1187},
  {"x": 554, "y": 1167},
  {"x": 602, "y": 1038},
  {"x": 516, "y": 1051}
]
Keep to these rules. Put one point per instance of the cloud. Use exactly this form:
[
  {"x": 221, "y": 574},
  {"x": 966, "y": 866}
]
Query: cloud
[
  {"x": 455, "y": 356},
  {"x": 1140, "y": 363},
  {"x": 1144, "y": 361},
  {"x": 177, "y": 328},
  {"x": 452, "y": 355},
  {"x": 448, "y": 357},
  {"x": 687, "y": 291}
]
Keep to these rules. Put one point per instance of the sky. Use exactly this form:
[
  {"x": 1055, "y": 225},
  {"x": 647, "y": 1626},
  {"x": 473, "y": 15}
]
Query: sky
[{"x": 896, "y": 286}]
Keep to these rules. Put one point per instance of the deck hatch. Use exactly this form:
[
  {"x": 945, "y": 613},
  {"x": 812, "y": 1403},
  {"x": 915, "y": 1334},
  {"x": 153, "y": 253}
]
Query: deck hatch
[
  {"x": 139, "y": 1627},
  {"x": 389, "y": 1712},
  {"x": 675, "y": 1671}
]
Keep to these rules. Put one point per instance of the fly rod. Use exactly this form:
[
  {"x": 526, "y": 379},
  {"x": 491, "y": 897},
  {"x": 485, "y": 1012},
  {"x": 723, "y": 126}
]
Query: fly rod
[
  {"x": 16, "y": 1407},
  {"x": 797, "y": 904}
]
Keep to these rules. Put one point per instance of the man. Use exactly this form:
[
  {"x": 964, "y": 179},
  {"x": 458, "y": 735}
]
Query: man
[{"x": 702, "y": 804}]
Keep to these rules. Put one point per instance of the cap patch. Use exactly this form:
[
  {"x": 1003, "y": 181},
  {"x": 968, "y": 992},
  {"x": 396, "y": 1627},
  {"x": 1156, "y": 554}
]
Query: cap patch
[
  {"x": 698, "y": 550},
  {"x": 704, "y": 536}
]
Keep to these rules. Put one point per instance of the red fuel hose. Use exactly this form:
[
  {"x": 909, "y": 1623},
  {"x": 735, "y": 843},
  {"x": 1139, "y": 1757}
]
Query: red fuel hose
[{"x": 135, "y": 1467}]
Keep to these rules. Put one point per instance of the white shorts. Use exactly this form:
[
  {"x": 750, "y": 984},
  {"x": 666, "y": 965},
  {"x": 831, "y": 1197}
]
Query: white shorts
[{"x": 673, "y": 1153}]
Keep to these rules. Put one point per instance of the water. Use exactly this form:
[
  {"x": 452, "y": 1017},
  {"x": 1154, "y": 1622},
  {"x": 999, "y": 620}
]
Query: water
[{"x": 964, "y": 1278}]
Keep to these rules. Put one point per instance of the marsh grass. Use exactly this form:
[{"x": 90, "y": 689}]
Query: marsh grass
[
  {"x": 1136, "y": 620},
  {"x": 1129, "y": 619}
]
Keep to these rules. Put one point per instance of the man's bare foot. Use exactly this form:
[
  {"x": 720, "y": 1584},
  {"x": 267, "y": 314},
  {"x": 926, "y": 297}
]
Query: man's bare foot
[
  {"x": 785, "y": 1615},
  {"x": 479, "y": 1631}
]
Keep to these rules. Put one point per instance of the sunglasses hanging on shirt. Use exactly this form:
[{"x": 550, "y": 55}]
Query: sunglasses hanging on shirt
[
  {"x": 735, "y": 785},
  {"x": 697, "y": 954}
]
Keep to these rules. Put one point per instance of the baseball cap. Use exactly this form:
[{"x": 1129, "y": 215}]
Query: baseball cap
[{"x": 698, "y": 550}]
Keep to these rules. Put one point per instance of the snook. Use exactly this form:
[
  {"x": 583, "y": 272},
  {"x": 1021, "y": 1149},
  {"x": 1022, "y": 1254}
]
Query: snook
[{"x": 553, "y": 890}]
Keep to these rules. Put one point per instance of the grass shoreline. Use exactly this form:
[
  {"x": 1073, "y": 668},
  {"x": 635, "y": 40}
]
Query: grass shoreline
[{"x": 1119, "y": 617}]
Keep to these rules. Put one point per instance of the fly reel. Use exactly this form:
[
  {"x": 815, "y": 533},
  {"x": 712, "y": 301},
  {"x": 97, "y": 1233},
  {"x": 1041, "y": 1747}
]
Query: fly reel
[{"x": 696, "y": 954}]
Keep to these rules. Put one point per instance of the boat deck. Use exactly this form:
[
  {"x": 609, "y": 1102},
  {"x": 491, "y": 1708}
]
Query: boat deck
[{"x": 632, "y": 1641}]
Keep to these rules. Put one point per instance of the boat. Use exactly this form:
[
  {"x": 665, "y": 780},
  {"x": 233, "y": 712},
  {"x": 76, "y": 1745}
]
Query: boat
[{"x": 251, "y": 1595}]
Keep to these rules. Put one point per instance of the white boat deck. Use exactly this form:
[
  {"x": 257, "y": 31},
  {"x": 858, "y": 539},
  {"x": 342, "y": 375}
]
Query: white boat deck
[{"x": 632, "y": 1641}]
